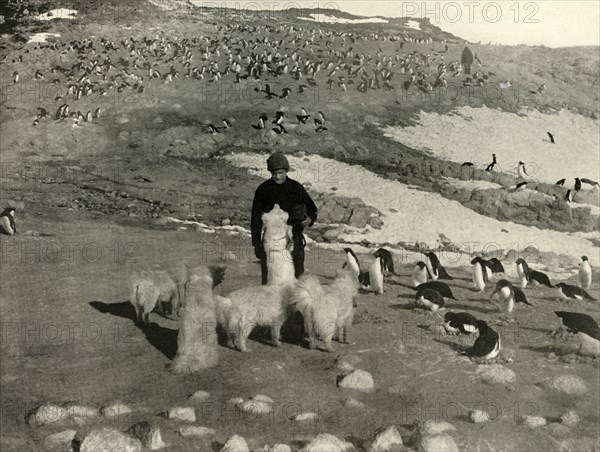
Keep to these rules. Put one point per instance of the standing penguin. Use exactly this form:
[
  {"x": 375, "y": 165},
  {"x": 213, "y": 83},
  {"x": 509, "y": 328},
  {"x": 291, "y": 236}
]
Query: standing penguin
[
  {"x": 352, "y": 261},
  {"x": 585, "y": 273},
  {"x": 531, "y": 275},
  {"x": 419, "y": 275},
  {"x": 479, "y": 274},
  {"x": 388, "y": 261},
  {"x": 7, "y": 221},
  {"x": 436, "y": 269},
  {"x": 522, "y": 271},
  {"x": 506, "y": 296},
  {"x": 376, "y": 275}
]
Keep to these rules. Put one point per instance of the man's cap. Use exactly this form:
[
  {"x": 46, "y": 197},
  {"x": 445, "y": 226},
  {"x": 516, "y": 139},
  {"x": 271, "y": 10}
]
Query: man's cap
[{"x": 278, "y": 161}]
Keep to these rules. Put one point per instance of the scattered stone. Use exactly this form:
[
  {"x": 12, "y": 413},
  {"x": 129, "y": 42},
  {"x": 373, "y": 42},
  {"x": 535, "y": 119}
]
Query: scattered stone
[
  {"x": 81, "y": 414},
  {"x": 281, "y": 448},
  {"x": 306, "y": 417},
  {"x": 255, "y": 407},
  {"x": 48, "y": 414},
  {"x": 570, "y": 418},
  {"x": 436, "y": 443},
  {"x": 226, "y": 222},
  {"x": 121, "y": 120},
  {"x": 115, "y": 409},
  {"x": 149, "y": 435},
  {"x": 387, "y": 440},
  {"x": 347, "y": 362},
  {"x": 177, "y": 107},
  {"x": 359, "y": 380},
  {"x": 199, "y": 396},
  {"x": 182, "y": 413},
  {"x": 478, "y": 416},
  {"x": 495, "y": 374},
  {"x": 235, "y": 443},
  {"x": 263, "y": 398},
  {"x": 61, "y": 440},
  {"x": 533, "y": 421},
  {"x": 109, "y": 439},
  {"x": 327, "y": 442},
  {"x": 230, "y": 256},
  {"x": 352, "y": 403},
  {"x": 435, "y": 428},
  {"x": 235, "y": 401},
  {"x": 565, "y": 385},
  {"x": 194, "y": 430}
]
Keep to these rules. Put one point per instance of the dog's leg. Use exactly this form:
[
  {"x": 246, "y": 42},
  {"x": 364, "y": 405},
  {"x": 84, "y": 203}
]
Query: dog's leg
[
  {"x": 275, "y": 333},
  {"x": 243, "y": 332},
  {"x": 309, "y": 326}
]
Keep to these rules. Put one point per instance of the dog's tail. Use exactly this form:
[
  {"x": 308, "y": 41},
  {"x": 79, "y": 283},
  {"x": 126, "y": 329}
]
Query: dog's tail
[
  {"x": 306, "y": 293},
  {"x": 134, "y": 297},
  {"x": 223, "y": 310}
]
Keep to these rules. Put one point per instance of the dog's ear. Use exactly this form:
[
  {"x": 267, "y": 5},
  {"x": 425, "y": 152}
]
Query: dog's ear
[{"x": 217, "y": 274}]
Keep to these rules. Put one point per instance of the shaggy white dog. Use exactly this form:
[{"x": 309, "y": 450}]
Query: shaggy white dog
[
  {"x": 152, "y": 288},
  {"x": 327, "y": 311},
  {"x": 197, "y": 338},
  {"x": 244, "y": 309}
]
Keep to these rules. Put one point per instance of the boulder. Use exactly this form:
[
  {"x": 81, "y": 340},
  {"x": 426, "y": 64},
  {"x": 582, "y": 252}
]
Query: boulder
[
  {"x": 359, "y": 380},
  {"x": 570, "y": 385},
  {"x": 326, "y": 442},
  {"x": 109, "y": 439},
  {"x": 388, "y": 440}
]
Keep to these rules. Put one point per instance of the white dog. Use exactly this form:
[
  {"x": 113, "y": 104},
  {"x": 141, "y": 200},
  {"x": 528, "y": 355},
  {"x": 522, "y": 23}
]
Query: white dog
[
  {"x": 197, "y": 338},
  {"x": 246, "y": 308},
  {"x": 327, "y": 311},
  {"x": 150, "y": 288}
]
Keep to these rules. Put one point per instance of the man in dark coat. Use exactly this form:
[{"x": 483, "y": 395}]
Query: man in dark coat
[
  {"x": 467, "y": 60},
  {"x": 293, "y": 199}
]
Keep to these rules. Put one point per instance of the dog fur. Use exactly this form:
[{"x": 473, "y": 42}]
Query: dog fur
[
  {"x": 153, "y": 288},
  {"x": 327, "y": 311},
  {"x": 197, "y": 345},
  {"x": 242, "y": 310}
]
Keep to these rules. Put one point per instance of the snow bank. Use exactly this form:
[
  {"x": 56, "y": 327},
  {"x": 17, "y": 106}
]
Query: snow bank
[
  {"x": 472, "y": 184},
  {"x": 414, "y": 216},
  {"x": 42, "y": 37},
  {"x": 60, "y": 13},
  {"x": 413, "y": 24},
  {"x": 473, "y": 134},
  {"x": 338, "y": 20}
]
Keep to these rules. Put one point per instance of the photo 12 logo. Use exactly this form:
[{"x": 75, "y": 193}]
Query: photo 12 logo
[{"x": 454, "y": 12}]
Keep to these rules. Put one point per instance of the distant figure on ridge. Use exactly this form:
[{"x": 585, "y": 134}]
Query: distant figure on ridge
[{"x": 467, "y": 60}]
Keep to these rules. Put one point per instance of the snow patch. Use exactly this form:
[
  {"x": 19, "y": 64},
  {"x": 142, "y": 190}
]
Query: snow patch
[
  {"x": 338, "y": 20},
  {"x": 413, "y": 24},
  {"x": 42, "y": 37},
  {"x": 60, "y": 13}
]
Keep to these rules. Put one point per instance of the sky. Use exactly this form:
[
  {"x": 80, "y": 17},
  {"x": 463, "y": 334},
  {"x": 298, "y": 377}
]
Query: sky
[{"x": 547, "y": 22}]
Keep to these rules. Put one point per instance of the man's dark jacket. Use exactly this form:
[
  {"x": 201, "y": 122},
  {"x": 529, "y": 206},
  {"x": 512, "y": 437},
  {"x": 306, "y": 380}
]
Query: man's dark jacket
[{"x": 287, "y": 195}]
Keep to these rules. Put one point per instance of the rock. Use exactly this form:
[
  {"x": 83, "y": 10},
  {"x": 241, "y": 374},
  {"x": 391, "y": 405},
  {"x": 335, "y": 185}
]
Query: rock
[
  {"x": 230, "y": 256},
  {"x": 194, "y": 430},
  {"x": 61, "y": 440},
  {"x": 429, "y": 428},
  {"x": 359, "y": 380},
  {"x": 387, "y": 440},
  {"x": 565, "y": 384},
  {"x": 495, "y": 374},
  {"x": 148, "y": 434},
  {"x": 375, "y": 222},
  {"x": 109, "y": 439},
  {"x": 306, "y": 417},
  {"x": 199, "y": 396},
  {"x": 352, "y": 403},
  {"x": 570, "y": 418},
  {"x": 436, "y": 443},
  {"x": 82, "y": 414},
  {"x": 177, "y": 107},
  {"x": 359, "y": 217},
  {"x": 533, "y": 421},
  {"x": 326, "y": 442},
  {"x": 235, "y": 401},
  {"x": 226, "y": 222},
  {"x": 235, "y": 443},
  {"x": 280, "y": 448},
  {"x": 115, "y": 409},
  {"x": 255, "y": 407},
  {"x": 347, "y": 362},
  {"x": 121, "y": 120},
  {"x": 182, "y": 413},
  {"x": 48, "y": 414},
  {"x": 589, "y": 347},
  {"x": 331, "y": 235},
  {"x": 478, "y": 416}
]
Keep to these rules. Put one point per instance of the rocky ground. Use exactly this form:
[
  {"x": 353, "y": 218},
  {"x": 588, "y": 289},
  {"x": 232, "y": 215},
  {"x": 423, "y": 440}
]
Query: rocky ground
[{"x": 94, "y": 201}]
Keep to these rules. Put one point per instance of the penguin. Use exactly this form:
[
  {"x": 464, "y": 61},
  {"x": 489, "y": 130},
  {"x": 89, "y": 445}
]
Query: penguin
[
  {"x": 441, "y": 287},
  {"x": 7, "y": 221},
  {"x": 570, "y": 292},
  {"x": 551, "y": 137},
  {"x": 278, "y": 117},
  {"x": 435, "y": 268},
  {"x": 42, "y": 113},
  {"x": 88, "y": 116},
  {"x": 388, "y": 261},
  {"x": 480, "y": 275},
  {"x": 97, "y": 113},
  {"x": 212, "y": 129},
  {"x": 520, "y": 186},
  {"x": 419, "y": 275},
  {"x": 321, "y": 129},
  {"x": 467, "y": 164},
  {"x": 279, "y": 129},
  {"x": 491, "y": 166},
  {"x": 459, "y": 323},
  {"x": 376, "y": 275},
  {"x": 569, "y": 196},
  {"x": 561, "y": 182},
  {"x": 579, "y": 323},
  {"x": 531, "y": 275},
  {"x": 352, "y": 261},
  {"x": 521, "y": 171},
  {"x": 16, "y": 77},
  {"x": 577, "y": 184},
  {"x": 36, "y": 121},
  {"x": 496, "y": 266},
  {"x": 593, "y": 183},
  {"x": 506, "y": 296},
  {"x": 321, "y": 117},
  {"x": 226, "y": 124},
  {"x": 429, "y": 299},
  {"x": 487, "y": 345},
  {"x": 585, "y": 273}
]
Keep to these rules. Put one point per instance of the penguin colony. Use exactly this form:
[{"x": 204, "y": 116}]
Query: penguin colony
[{"x": 436, "y": 297}]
